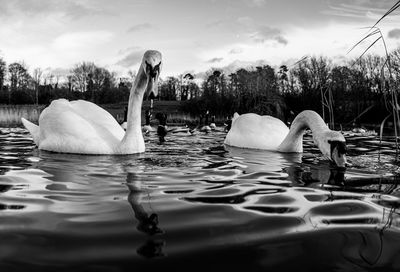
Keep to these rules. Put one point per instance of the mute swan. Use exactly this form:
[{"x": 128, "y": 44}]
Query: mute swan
[
  {"x": 266, "y": 132},
  {"x": 85, "y": 128}
]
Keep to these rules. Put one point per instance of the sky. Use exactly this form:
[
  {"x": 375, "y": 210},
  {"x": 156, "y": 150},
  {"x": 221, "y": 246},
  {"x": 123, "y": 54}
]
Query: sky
[{"x": 192, "y": 35}]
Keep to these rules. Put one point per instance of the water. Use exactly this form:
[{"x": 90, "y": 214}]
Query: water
[{"x": 192, "y": 204}]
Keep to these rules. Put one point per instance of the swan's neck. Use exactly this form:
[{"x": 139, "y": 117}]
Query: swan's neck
[
  {"x": 306, "y": 119},
  {"x": 133, "y": 138}
]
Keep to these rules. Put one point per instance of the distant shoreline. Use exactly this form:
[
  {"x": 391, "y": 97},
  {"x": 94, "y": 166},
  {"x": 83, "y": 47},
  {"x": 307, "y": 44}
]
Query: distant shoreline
[{"x": 10, "y": 115}]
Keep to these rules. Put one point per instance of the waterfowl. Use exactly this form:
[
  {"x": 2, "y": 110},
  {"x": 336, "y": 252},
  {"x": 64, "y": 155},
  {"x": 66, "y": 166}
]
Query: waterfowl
[
  {"x": 162, "y": 126},
  {"x": 147, "y": 128},
  {"x": 266, "y": 132},
  {"x": 84, "y": 128},
  {"x": 185, "y": 130},
  {"x": 228, "y": 123},
  {"x": 212, "y": 125},
  {"x": 205, "y": 129}
]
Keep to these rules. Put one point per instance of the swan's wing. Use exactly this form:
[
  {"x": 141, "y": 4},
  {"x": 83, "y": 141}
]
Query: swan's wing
[
  {"x": 97, "y": 116},
  {"x": 254, "y": 131},
  {"x": 64, "y": 130},
  {"x": 235, "y": 116}
]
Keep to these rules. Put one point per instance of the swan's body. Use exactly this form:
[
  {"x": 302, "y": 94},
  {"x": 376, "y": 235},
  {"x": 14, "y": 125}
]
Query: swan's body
[
  {"x": 78, "y": 127},
  {"x": 251, "y": 130},
  {"x": 85, "y": 128},
  {"x": 265, "y": 132}
]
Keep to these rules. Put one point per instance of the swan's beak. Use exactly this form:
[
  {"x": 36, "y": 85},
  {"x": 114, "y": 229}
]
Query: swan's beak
[
  {"x": 152, "y": 73},
  {"x": 338, "y": 154},
  {"x": 152, "y": 86}
]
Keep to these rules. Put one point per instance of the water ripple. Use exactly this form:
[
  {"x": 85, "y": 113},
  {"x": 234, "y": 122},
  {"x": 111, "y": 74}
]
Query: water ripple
[{"x": 195, "y": 199}]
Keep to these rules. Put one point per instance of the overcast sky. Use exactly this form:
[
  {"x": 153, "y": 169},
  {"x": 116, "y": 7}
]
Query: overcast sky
[{"x": 192, "y": 35}]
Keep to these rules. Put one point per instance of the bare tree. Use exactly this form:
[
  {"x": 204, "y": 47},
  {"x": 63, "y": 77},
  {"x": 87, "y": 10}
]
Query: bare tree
[
  {"x": 19, "y": 77},
  {"x": 3, "y": 72},
  {"x": 80, "y": 74},
  {"x": 37, "y": 77}
]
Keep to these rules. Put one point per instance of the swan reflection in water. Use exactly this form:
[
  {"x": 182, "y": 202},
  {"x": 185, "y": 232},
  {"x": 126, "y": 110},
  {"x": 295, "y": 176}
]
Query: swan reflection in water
[
  {"x": 299, "y": 171},
  {"x": 96, "y": 175},
  {"x": 147, "y": 224}
]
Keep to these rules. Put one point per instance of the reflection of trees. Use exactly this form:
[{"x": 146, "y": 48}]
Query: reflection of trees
[{"x": 147, "y": 224}]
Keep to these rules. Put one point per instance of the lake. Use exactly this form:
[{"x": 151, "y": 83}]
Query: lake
[{"x": 193, "y": 204}]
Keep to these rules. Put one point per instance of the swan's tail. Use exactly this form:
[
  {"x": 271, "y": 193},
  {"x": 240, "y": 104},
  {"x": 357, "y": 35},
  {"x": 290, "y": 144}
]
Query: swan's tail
[
  {"x": 235, "y": 116},
  {"x": 33, "y": 130}
]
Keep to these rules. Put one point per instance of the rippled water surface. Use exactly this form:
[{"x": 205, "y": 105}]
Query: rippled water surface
[{"x": 192, "y": 204}]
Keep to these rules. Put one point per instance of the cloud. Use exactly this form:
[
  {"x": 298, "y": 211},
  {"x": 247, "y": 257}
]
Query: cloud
[
  {"x": 394, "y": 33},
  {"x": 266, "y": 33},
  {"x": 129, "y": 49},
  {"x": 359, "y": 9},
  {"x": 237, "y": 50},
  {"x": 233, "y": 67},
  {"x": 246, "y": 21},
  {"x": 261, "y": 33},
  {"x": 131, "y": 59},
  {"x": 255, "y": 3},
  {"x": 72, "y": 9},
  {"x": 75, "y": 40},
  {"x": 60, "y": 72},
  {"x": 140, "y": 27},
  {"x": 215, "y": 60},
  {"x": 216, "y": 23}
]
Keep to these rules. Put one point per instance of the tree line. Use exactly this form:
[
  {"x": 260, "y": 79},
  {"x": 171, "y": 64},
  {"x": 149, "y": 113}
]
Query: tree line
[
  {"x": 349, "y": 94},
  {"x": 354, "y": 92}
]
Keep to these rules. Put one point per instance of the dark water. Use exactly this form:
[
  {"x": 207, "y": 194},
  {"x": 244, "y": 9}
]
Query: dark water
[{"x": 192, "y": 204}]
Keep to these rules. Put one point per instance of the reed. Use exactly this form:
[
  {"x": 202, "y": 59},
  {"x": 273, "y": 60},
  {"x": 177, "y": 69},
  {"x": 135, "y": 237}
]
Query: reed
[
  {"x": 391, "y": 96},
  {"x": 10, "y": 115}
]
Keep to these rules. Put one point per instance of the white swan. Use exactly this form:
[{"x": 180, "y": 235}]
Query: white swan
[
  {"x": 85, "y": 128},
  {"x": 266, "y": 132}
]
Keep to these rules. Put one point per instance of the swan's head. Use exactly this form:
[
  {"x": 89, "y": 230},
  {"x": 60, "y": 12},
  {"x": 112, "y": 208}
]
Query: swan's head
[
  {"x": 333, "y": 147},
  {"x": 151, "y": 65}
]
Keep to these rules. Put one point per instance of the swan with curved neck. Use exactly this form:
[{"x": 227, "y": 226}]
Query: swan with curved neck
[
  {"x": 265, "y": 132},
  {"x": 84, "y": 128}
]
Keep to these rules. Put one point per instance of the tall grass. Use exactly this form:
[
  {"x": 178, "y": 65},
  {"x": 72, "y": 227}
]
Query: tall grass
[
  {"x": 10, "y": 115},
  {"x": 391, "y": 97}
]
